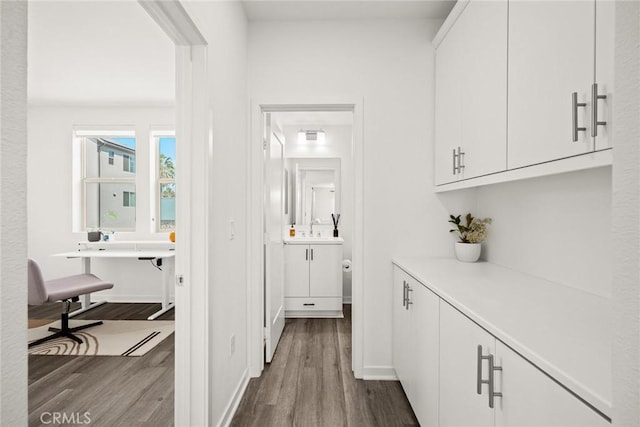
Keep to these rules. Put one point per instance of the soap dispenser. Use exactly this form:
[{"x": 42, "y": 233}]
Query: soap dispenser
[{"x": 292, "y": 231}]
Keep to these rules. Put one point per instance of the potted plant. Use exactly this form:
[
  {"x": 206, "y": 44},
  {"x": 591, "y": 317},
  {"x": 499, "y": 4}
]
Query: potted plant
[{"x": 471, "y": 234}]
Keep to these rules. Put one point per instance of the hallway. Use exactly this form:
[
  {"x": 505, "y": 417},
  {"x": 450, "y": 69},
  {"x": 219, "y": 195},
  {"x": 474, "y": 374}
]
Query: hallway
[{"x": 310, "y": 383}]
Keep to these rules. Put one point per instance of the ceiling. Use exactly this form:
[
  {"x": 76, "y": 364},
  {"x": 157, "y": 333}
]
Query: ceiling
[
  {"x": 108, "y": 53},
  {"x": 111, "y": 53},
  {"x": 266, "y": 10}
]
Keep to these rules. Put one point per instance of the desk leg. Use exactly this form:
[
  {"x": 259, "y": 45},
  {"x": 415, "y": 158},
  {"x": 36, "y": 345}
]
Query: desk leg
[
  {"x": 86, "y": 299},
  {"x": 167, "y": 274}
]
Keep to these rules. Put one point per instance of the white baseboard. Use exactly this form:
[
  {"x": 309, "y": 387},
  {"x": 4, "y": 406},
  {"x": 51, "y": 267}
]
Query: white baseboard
[
  {"x": 346, "y": 299},
  {"x": 232, "y": 407},
  {"x": 381, "y": 373}
]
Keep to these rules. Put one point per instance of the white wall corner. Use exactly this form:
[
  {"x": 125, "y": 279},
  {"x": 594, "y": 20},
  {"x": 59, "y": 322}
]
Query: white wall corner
[
  {"x": 13, "y": 213},
  {"x": 626, "y": 218},
  {"x": 234, "y": 402},
  {"x": 379, "y": 373}
]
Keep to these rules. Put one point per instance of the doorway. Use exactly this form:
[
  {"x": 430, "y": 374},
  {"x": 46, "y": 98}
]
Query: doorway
[{"x": 292, "y": 120}]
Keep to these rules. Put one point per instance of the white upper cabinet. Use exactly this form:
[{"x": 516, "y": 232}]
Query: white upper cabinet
[
  {"x": 471, "y": 94},
  {"x": 605, "y": 45},
  {"x": 551, "y": 57},
  {"x": 523, "y": 89},
  {"x": 554, "y": 110}
]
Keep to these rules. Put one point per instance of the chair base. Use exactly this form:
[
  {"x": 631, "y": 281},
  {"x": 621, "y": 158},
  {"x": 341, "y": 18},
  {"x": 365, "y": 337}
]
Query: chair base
[{"x": 65, "y": 332}]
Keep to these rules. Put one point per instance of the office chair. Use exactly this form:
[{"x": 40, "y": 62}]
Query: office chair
[{"x": 66, "y": 289}]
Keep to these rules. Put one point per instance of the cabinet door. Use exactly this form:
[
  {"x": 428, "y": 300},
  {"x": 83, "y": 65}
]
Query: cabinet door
[
  {"x": 605, "y": 45},
  {"x": 401, "y": 330},
  {"x": 460, "y": 403},
  {"x": 484, "y": 87},
  {"x": 448, "y": 124},
  {"x": 530, "y": 398},
  {"x": 423, "y": 353},
  {"x": 551, "y": 55},
  {"x": 296, "y": 270},
  {"x": 325, "y": 271}
]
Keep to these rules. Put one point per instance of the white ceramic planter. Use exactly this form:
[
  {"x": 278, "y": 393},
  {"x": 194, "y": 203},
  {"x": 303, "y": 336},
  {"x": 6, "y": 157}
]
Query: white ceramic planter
[{"x": 468, "y": 252}]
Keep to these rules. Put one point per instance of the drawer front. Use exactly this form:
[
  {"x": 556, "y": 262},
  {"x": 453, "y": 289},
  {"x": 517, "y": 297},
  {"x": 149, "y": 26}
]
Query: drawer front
[{"x": 313, "y": 304}]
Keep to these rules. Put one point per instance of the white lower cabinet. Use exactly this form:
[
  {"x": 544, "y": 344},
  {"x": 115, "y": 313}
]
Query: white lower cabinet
[
  {"x": 455, "y": 373},
  {"x": 415, "y": 345},
  {"x": 485, "y": 383}
]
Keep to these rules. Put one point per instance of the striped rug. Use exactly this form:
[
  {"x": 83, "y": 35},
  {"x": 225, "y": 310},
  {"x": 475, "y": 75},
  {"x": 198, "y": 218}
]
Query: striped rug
[{"x": 112, "y": 338}]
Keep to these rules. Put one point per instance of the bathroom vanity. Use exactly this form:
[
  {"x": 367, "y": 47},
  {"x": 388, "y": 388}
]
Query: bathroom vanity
[{"x": 313, "y": 276}]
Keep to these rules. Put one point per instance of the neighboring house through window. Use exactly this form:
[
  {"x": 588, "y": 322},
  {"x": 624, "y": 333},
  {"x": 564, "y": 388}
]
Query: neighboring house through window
[{"x": 109, "y": 180}]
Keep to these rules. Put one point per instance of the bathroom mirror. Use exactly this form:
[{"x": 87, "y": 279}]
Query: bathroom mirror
[{"x": 317, "y": 191}]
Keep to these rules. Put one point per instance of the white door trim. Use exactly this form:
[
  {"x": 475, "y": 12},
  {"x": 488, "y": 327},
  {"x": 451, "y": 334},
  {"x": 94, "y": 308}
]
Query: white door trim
[
  {"x": 194, "y": 158},
  {"x": 255, "y": 212}
]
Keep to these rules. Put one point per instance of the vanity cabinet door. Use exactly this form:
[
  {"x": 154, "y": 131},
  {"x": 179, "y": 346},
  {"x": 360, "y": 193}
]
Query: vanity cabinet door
[
  {"x": 325, "y": 270},
  {"x": 460, "y": 403},
  {"x": 296, "y": 270}
]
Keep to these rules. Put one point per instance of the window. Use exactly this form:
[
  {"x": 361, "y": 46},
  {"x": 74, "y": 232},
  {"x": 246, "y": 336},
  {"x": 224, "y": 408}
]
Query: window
[
  {"x": 166, "y": 182},
  {"x": 108, "y": 192},
  {"x": 129, "y": 199}
]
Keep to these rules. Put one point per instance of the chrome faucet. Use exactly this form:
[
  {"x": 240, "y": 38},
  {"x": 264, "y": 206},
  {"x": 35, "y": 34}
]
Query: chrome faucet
[{"x": 311, "y": 229}]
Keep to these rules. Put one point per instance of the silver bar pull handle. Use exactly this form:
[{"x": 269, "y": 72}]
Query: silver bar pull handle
[
  {"x": 306, "y": 254},
  {"x": 409, "y": 302},
  {"x": 594, "y": 110},
  {"x": 455, "y": 164},
  {"x": 404, "y": 293},
  {"x": 574, "y": 116},
  {"x": 479, "y": 380},
  {"x": 460, "y": 156},
  {"x": 492, "y": 393},
  {"x": 311, "y": 254}
]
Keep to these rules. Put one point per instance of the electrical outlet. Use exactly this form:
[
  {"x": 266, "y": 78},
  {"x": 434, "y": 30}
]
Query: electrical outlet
[{"x": 232, "y": 345}]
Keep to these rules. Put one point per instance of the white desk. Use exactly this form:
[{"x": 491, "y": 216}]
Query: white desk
[{"x": 158, "y": 255}]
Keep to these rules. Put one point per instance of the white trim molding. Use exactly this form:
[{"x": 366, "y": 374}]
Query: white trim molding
[
  {"x": 255, "y": 215},
  {"x": 379, "y": 373},
  {"x": 232, "y": 406}
]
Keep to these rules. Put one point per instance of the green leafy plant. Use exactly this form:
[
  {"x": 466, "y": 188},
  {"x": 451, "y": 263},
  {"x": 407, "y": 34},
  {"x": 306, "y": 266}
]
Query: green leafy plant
[{"x": 474, "y": 231}]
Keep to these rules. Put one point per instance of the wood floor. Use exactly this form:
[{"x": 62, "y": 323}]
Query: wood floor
[
  {"x": 310, "y": 383},
  {"x": 114, "y": 390}
]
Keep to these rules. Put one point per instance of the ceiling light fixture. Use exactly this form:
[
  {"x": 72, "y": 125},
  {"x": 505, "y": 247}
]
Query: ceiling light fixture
[{"x": 313, "y": 136}]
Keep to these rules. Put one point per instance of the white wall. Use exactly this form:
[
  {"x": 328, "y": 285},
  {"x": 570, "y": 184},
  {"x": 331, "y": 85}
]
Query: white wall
[
  {"x": 339, "y": 144},
  {"x": 50, "y": 198},
  {"x": 391, "y": 65},
  {"x": 626, "y": 218},
  {"x": 556, "y": 227},
  {"x": 224, "y": 26},
  {"x": 13, "y": 210}
]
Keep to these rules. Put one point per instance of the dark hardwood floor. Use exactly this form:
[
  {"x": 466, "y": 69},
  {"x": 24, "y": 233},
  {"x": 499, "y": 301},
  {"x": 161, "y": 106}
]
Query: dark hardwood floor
[
  {"x": 310, "y": 383},
  {"x": 114, "y": 390}
]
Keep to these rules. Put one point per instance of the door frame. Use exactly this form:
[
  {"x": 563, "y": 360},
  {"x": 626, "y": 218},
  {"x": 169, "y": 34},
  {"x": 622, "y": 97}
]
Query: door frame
[
  {"x": 194, "y": 154},
  {"x": 255, "y": 213}
]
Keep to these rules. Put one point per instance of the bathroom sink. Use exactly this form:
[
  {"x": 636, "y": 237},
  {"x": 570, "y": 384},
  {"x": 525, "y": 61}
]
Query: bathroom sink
[{"x": 312, "y": 240}]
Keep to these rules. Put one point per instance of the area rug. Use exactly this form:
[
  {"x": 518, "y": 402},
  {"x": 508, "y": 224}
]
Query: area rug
[{"x": 112, "y": 338}]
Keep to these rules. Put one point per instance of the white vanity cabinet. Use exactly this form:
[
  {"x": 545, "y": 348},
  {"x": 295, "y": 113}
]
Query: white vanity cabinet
[
  {"x": 415, "y": 345},
  {"x": 471, "y": 94},
  {"x": 313, "y": 278}
]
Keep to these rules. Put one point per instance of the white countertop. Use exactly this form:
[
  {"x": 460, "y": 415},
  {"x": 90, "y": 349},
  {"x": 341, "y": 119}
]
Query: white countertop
[
  {"x": 313, "y": 240},
  {"x": 564, "y": 331}
]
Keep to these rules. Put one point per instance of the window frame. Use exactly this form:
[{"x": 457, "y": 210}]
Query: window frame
[
  {"x": 82, "y": 136},
  {"x": 159, "y": 181}
]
